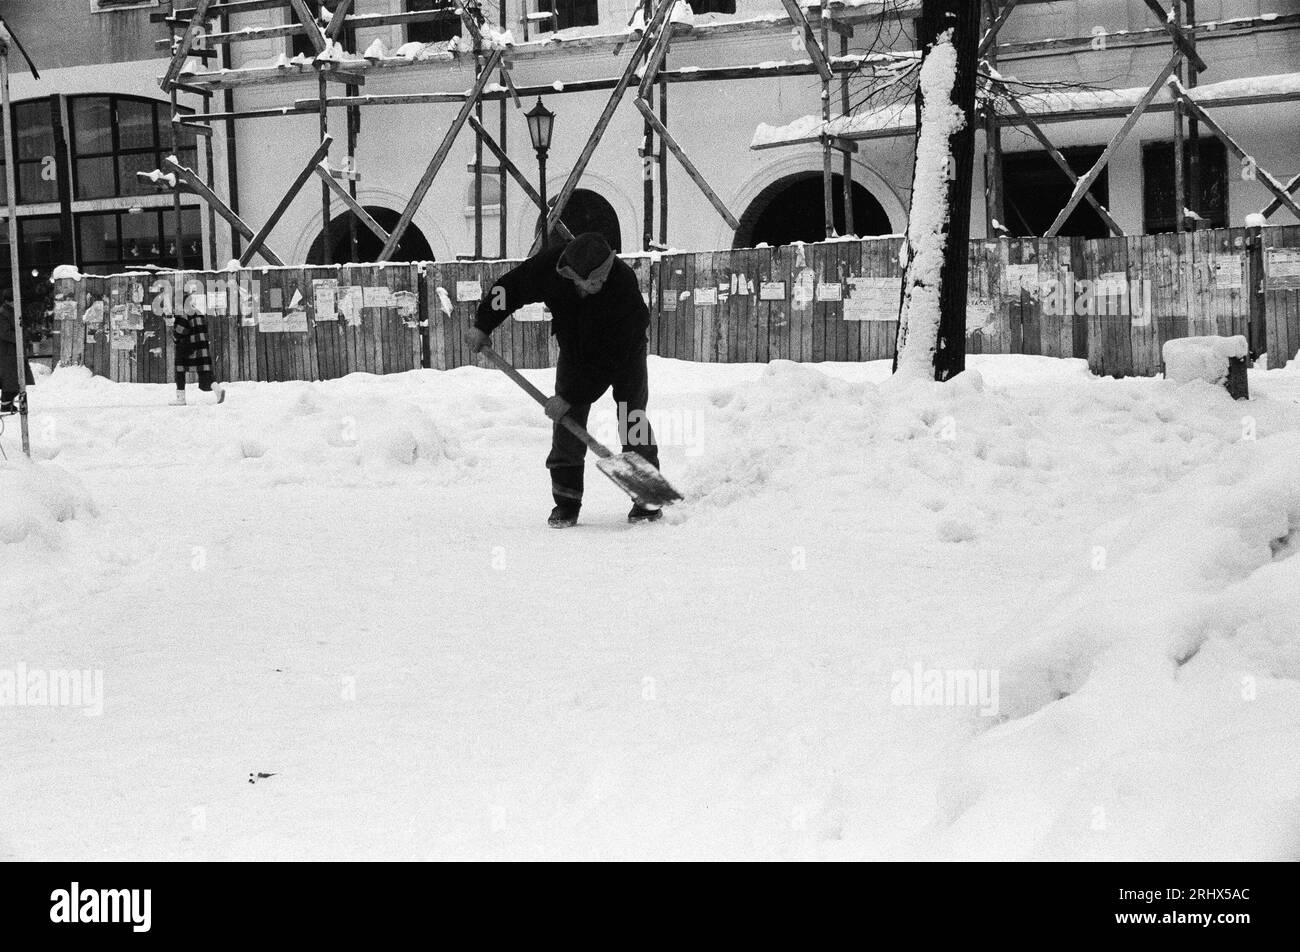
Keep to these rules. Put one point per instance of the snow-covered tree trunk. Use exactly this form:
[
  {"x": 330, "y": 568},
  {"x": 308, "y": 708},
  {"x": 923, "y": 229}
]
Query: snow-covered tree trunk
[{"x": 932, "y": 324}]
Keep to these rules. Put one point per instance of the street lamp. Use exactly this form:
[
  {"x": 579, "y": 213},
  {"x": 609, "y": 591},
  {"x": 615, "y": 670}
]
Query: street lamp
[{"x": 540, "y": 122}]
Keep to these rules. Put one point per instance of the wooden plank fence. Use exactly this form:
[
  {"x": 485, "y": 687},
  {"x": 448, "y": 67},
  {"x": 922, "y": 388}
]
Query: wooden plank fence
[{"x": 1112, "y": 301}]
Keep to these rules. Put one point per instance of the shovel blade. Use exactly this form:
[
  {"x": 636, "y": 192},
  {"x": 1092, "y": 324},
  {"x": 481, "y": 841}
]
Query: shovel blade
[{"x": 636, "y": 477}]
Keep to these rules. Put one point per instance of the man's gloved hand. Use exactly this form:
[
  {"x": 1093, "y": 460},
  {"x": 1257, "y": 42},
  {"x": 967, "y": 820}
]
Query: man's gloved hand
[
  {"x": 476, "y": 340},
  {"x": 557, "y": 407}
]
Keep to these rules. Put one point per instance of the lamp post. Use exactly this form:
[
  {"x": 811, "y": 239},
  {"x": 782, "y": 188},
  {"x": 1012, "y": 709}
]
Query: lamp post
[{"x": 540, "y": 123}]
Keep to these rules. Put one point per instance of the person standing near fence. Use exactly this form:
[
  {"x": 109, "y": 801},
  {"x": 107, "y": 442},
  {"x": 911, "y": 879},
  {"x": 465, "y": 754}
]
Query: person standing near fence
[
  {"x": 190, "y": 335},
  {"x": 9, "y": 386}
]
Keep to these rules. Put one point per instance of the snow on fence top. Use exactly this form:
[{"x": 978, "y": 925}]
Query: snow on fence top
[{"x": 899, "y": 118}]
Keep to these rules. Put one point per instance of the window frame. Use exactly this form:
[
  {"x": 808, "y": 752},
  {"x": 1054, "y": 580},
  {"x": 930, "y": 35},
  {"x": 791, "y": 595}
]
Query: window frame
[
  {"x": 1205, "y": 142},
  {"x": 160, "y": 146},
  {"x": 408, "y": 7}
]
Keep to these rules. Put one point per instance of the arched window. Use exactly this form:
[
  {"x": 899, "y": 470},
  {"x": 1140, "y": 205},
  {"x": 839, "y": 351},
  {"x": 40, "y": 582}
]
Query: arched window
[
  {"x": 792, "y": 209},
  {"x": 413, "y": 246},
  {"x": 588, "y": 211}
]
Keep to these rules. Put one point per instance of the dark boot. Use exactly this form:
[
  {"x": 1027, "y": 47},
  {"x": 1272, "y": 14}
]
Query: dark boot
[
  {"x": 563, "y": 517},
  {"x": 640, "y": 513}
]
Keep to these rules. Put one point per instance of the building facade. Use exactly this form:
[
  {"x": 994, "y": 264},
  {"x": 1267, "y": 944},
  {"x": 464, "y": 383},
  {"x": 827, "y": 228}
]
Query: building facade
[{"x": 97, "y": 116}]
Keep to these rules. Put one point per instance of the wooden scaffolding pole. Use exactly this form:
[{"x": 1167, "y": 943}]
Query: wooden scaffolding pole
[
  {"x": 1262, "y": 174},
  {"x": 508, "y": 166},
  {"x": 15, "y": 276},
  {"x": 256, "y": 241},
  {"x": 439, "y": 157},
  {"x": 1081, "y": 187},
  {"x": 196, "y": 185},
  {"x": 850, "y": 226},
  {"x": 994, "y": 215},
  {"x": 602, "y": 123},
  {"x": 647, "y": 149}
]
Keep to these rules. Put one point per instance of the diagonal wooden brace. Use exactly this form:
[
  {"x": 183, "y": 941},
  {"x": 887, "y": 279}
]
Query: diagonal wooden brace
[
  {"x": 256, "y": 241},
  {"x": 1179, "y": 37},
  {"x": 356, "y": 208},
  {"x": 1272, "y": 207},
  {"x": 991, "y": 37},
  {"x": 339, "y": 22},
  {"x": 200, "y": 188},
  {"x": 439, "y": 157},
  {"x": 1060, "y": 160},
  {"x": 810, "y": 43},
  {"x": 186, "y": 42},
  {"x": 1265, "y": 179},
  {"x": 518, "y": 176},
  {"x": 309, "y": 25},
  {"x": 662, "y": 131},
  {"x": 655, "y": 61},
  {"x": 472, "y": 25},
  {"x": 1084, "y": 184},
  {"x": 602, "y": 123}
]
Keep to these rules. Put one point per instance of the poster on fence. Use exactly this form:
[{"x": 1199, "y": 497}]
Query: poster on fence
[
  {"x": 1230, "y": 272},
  {"x": 979, "y": 314},
  {"x": 469, "y": 291},
  {"x": 271, "y": 322},
  {"x": 1020, "y": 277},
  {"x": 1283, "y": 271},
  {"x": 771, "y": 291},
  {"x": 706, "y": 297},
  {"x": 830, "y": 291},
  {"x": 94, "y": 313},
  {"x": 377, "y": 297},
  {"x": 325, "y": 294},
  {"x": 873, "y": 299},
  {"x": 349, "y": 305},
  {"x": 65, "y": 311},
  {"x": 407, "y": 303}
]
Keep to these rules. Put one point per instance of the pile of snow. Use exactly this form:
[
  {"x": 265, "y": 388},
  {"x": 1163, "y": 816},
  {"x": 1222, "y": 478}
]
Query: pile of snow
[
  {"x": 365, "y": 569},
  {"x": 1205, "y": 359},
  {"x": 36, "y": 497}
]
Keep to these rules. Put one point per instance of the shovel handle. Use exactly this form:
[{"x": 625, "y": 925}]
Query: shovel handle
[{"x": 571, "y": 425}]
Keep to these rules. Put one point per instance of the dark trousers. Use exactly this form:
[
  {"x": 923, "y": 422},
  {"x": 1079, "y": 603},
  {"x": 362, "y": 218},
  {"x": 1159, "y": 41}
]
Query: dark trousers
[
  {"x": 581, "y": 387},
  {"x": 205, "y": 380}
]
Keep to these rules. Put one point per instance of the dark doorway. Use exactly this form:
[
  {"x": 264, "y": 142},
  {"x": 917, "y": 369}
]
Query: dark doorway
[
  {"x": 792, "y": 209},
  {"x": 587, "y": 211},
  {"x": 412, "y": 247},
  {"x": 1035, "y": 190}
]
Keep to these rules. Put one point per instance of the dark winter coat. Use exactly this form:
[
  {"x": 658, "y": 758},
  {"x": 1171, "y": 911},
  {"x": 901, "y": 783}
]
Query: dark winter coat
[
  {"x": 190, "y": 335},
  {"x": 9, "y": 354},
  {"x": 598, "y": 335}
]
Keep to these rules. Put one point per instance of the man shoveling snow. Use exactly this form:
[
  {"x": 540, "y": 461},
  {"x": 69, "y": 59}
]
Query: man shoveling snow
[{"x": 600, "y": 322}]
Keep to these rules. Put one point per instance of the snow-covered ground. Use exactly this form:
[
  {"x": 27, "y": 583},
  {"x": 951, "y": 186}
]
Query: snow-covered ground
[{"x": 350, "y": 586}]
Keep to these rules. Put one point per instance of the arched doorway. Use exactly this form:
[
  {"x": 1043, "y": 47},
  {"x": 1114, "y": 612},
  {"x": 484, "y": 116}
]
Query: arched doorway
[
  {"x": 589, "y": 211},
  {"x": 791, "y": 209},
  {"x": 412, "y": 247}
]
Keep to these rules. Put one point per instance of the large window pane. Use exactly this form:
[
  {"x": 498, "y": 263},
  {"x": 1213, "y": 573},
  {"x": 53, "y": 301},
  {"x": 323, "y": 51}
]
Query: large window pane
[
  {"x": 92, "y": 125},
  {"x": 128, "y": 165},
  {"x": 98, "y": 237},
  {"x": 95, "y": 178},
  {"x": 37, "y": 182},
  {"x": 140, "y": 237},
  {"x": 135, "y": 125},
  {"x": 35, "y": 132},
  {"x": 41, "y": 245}
]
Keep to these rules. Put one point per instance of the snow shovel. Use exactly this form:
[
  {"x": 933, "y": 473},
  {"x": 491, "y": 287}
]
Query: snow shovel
[{"x": 629, "y": 471}]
